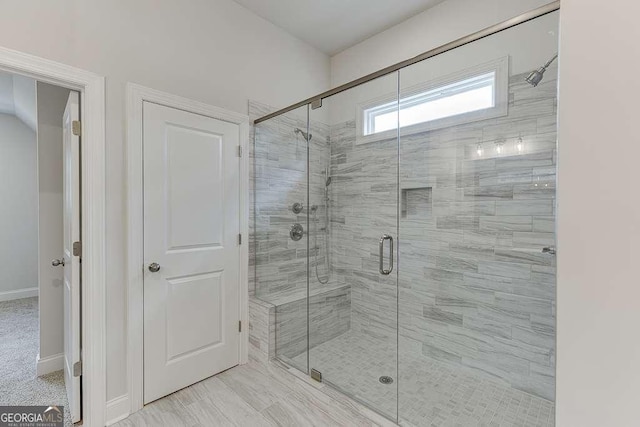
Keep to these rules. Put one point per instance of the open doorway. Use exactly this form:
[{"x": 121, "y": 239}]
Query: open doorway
[{"x": 39, "y": 289}]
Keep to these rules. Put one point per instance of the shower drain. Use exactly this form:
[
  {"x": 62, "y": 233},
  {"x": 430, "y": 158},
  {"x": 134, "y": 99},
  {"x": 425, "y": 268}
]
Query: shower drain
[{"x": 386, "y": 380}]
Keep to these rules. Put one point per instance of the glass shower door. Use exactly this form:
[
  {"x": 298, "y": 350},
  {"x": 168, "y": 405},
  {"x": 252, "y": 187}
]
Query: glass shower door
[
  {"x": 353, "y": 215},
  {"x": 477, "y": 186},
  {"x": 280, "y": 237}
]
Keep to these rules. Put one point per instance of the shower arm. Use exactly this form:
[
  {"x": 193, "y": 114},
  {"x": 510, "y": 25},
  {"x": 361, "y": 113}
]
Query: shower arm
[{"x": 550, "y": 61}]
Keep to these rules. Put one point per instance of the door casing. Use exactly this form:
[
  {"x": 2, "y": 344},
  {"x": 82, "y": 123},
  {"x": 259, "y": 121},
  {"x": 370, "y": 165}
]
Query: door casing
[
  {"x": 93, "y": 223},
  {"x": 136, "y": 95}
]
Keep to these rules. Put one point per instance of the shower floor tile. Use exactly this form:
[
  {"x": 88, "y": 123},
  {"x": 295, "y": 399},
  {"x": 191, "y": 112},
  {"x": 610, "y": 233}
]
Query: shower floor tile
[{"x": 432, "y": 393}]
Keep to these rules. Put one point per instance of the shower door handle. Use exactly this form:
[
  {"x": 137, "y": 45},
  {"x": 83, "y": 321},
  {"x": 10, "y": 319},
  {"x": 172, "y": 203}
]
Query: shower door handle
[{"x": 381, "y": 246}]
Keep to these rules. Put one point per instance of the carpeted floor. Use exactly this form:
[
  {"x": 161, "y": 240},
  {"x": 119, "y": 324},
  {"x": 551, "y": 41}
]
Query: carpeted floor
[{"x": 19, "y": 384}]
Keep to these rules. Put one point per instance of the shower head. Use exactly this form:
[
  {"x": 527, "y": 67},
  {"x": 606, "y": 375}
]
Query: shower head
[
  {"x": 305, "y": 135},
  {"x": 328, "y": 182},
  {"x": 535, "y": 77}
]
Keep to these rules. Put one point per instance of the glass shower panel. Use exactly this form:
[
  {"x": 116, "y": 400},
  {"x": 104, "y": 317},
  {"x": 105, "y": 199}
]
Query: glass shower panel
[
  {"x": 353, "y": 216},
  {"x": 477, "y": 183},
  {"x": 280, "y": 231}
]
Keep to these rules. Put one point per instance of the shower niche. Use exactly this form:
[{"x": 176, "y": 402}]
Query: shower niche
[{"x": 416, "y": 202}]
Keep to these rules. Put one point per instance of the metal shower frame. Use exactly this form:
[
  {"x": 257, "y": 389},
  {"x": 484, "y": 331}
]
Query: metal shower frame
[{"x": 316, "y": 101}]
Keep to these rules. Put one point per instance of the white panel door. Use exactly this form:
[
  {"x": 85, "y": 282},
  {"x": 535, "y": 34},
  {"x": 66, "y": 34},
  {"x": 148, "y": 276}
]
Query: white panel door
[
  {"x": 191, "y": 226},
  {"x": 71, "y": 234}
]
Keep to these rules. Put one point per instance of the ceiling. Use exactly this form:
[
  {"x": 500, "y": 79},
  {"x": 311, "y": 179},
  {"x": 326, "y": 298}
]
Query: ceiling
[{"x": 334, "y": 25}]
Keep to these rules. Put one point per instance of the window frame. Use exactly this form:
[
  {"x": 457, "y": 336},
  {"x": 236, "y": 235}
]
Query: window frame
[{"x": 500, "y": 109}]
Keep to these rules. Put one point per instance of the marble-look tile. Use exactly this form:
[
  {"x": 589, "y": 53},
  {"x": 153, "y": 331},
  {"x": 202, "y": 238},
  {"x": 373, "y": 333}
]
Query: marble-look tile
[
  {"x": 525, "y": 207},
  {"x": 324, "y": 316},
  {"x": 431, "y": 390},
  {"x": 208, "y": 414},
  {"x": 489, "y": 192},
  {"x": 533, "y": 240},
  {"x": 530, "y": 253},
  {"x": 506, "y": 223},
  {"x": 227, "y": 401},
  {"x": 544, "y": 224},
  {"x": 283, "y": 414},
  {"x": 476, "y": 292},
  {"x": 507, "y": 128},
  {"x": 261, "y": 330},
  {"x": 505, "y": 269},
  {"x": 234, "y": 398},
  {"x": 253, "y": 386},
  {"x": 539, "y": 159},
  {"x": 444, "y": 208}
]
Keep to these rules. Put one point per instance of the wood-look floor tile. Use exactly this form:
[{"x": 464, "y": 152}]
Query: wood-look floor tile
[
  {"x": 191, "y": 394},
  {"x": 208, "y": 414},
  {"x": 160, "y": 414},
  {"x": 257, "y": 388},
  {"x": 231, "y": 399},
  {"x": 232, "y": 405},
  {"x": 282, "y": 415}
]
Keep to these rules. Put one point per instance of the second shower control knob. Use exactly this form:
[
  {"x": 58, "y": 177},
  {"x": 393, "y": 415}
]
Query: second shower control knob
[
  {"x": 296, "y": 232},
  {"x": 297, "y": 208}
]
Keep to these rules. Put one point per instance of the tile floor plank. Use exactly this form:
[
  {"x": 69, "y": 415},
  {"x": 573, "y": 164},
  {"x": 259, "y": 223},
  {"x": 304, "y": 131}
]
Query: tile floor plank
[
  {"x": 255, "y": 387},
  {"x": 232, "y": 405},
  {"x": 275, "y": 395}
]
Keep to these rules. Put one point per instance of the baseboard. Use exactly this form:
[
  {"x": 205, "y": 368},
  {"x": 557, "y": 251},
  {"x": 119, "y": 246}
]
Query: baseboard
[
  {"x": 49, "y": 364},
  {"x": 19, "y": 293},
  {"x": 118, "y": 409}
]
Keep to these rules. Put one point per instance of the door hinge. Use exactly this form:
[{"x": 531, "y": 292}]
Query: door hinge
[
  {"x": 76, "y": 127},
  {"x": 77, "y": 248},
  {"x": 240, "y": 238},
  {"x": 239, "y": 325},
  {"x": 239, "y": 150},
  {"x": 77, "y": 369}
]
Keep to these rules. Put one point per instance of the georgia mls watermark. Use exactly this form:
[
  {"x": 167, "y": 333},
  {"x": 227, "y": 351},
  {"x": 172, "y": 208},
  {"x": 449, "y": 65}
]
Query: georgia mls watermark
[{"x": 31, "y": 416}]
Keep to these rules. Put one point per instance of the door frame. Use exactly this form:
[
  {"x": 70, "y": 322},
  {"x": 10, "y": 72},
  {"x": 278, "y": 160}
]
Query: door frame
[
  {"x": 136, "y": 95},
  {"x": 93, "y": 223}
]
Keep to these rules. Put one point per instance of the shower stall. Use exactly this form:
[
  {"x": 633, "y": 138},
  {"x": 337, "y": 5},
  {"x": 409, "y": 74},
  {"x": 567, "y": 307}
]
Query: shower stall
[{"x": 404, "y": 232}]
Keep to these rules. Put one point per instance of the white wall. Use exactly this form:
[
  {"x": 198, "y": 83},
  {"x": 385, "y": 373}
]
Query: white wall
[
  {"x": 598, "y": 374},
  {"x": 51, "y": 103},
  {"x": 18, "y": 207},
  {"x": 434, "y": 27},
  {"x": 18, "y": 97},
  {"x": 214, "y": 51},
  {"x": 24, "y": 100},
  {"x": 6, "y": 93}
]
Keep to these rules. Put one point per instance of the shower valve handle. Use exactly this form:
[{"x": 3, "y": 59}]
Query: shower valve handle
[{"x": 296, "y": 232}]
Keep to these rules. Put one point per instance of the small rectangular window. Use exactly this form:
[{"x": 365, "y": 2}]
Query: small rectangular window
[{"x": 472, "y": 95}]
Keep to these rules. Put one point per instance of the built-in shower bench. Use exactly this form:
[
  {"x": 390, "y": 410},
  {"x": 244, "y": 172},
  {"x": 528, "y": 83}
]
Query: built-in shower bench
[
  {"x": 295, "y": 294},
  {"x": 278, "y": 321}
]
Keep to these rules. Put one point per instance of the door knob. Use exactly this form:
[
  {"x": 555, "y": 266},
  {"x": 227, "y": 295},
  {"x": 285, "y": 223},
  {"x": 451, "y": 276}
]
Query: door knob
[
  {"x": 154, "y": 267},
  {"x": 57, "y": 262}
]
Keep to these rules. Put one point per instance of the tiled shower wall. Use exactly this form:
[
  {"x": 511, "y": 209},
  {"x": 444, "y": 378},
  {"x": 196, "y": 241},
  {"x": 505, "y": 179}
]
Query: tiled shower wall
[
  {"x": 475, "y": 288},
  {"x": 363, "y": 208},
  {"x": 279, "y": 179}
]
